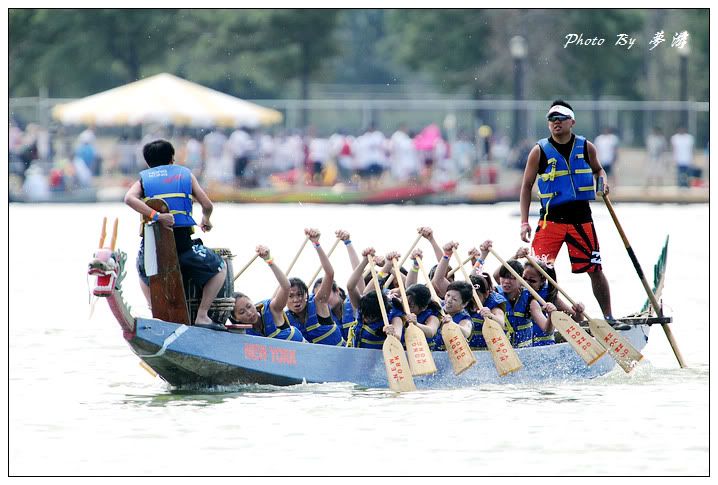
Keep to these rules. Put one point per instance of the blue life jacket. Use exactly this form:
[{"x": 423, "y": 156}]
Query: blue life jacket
[
  {"x": 422, "y": 317},
  {"x": 540, "y": 337},
  {"x": 346, "y": 320},
  {"x": 312, "y": 330},
  {"x": 439, "y": 340},
  {"x": 519, "y": 318},
  {"x": 565, "y": 180},
  {"x": 371, "y": 335},
  {"x": 173, "y": 184},
  {"x": 477, "y": 340},
  {"x": 270, "y": 329}
]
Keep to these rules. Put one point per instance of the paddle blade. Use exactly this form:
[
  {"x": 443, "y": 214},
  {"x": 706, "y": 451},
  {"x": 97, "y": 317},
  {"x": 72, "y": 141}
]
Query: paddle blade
[
  {"x": 504, "y": 355},
  {"x": 460, "y": 354},
  {"x": 616, "y": 344},
  {"x": 420, "y": 359},
  {"x": 397, "y": 367},
  {"x": 584, "y": 345}
]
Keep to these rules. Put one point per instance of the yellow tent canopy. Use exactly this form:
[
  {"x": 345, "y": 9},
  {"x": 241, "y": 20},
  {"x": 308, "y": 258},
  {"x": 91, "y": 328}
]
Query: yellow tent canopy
[{"x": 165, "y": 99}]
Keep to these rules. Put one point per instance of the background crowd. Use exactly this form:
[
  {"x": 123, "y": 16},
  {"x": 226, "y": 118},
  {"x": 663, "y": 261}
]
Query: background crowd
[{"x": 42, "y": 161}]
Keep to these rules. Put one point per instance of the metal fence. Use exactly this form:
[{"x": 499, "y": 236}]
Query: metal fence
[{"x": 516, "y": 119}]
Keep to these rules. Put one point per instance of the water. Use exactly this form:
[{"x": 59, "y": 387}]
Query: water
[{"x": 80, "y": 404}]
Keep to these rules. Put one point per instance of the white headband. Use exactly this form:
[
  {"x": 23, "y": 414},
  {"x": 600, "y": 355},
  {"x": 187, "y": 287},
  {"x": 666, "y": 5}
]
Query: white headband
[{"x": 561, "y": 110}]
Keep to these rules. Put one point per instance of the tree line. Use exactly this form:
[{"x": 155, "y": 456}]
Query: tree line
[{"x": 280, "y": 53}]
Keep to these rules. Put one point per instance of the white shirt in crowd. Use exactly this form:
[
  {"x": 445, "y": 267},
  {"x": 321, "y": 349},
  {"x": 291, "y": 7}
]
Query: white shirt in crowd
[
  {"x": 240, "y": 143},
  {"x": 606, "y": 148},
  {"x": 404, "y": 158},
  {"x": 319, "y": 150},
  {"x": 682, "y": 144}
]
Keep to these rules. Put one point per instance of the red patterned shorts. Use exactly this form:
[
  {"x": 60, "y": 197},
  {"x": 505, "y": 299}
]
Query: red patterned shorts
[{"x": 581, "y": 240}]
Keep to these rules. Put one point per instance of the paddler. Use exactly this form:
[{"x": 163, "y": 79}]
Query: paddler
[
  {"x": 266, "y": 317},
  {"x": 310, "y": 313}
]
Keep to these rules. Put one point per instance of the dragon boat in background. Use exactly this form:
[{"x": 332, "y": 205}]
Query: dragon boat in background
[{"x": 192, "y": 356}]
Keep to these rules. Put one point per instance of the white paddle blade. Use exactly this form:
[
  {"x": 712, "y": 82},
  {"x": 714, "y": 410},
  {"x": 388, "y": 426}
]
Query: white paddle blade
[
  {"x": 150, "y": 251},
  {"x": 460, "y": 354},
  {"x": 504, "y": 355},
  {"x": 584, "y": 345},
  {"x": 420, "y": 359},
  {"x": 397, "y": 367},
  {"x": 616, "y": 344}
]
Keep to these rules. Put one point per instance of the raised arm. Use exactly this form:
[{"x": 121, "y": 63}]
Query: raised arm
[
  {"x": 279, "y": 301},
  {"x": 353, "y": 256},
  {"x": 483, "y": 254},
  {"x": 439, "y": 279},
  {"x": 412, "y": 276},
  {"x": 321, "y": 296},
  {"x": 428, "y": 234},
  {"x": 356, "y": 277}
]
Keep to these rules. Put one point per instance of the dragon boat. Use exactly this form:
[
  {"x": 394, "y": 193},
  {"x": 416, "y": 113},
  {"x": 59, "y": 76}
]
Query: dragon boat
[{"x": 189, "y": 356}]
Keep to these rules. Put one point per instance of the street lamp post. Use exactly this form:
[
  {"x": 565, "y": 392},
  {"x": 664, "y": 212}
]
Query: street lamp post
[
  {"x": 683, "y": 53},
  {"x": 518, "y": 49}
]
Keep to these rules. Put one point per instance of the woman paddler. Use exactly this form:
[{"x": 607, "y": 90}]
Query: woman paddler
[
  {"x": 266, "y": 317},
  {"x": 311, "y": 314},
  {"x": 543, "y": 330},
  {"x": 457, "y": 297},
  {"x": 425, "y": 312},
  {"x": 340, "y": 305},
  {"x": 369, "y": 332}
]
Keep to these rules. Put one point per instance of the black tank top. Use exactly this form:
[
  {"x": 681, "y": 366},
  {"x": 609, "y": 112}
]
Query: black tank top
[{"x": 575, "y": 212}]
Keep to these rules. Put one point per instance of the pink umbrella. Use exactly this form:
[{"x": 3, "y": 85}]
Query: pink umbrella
[{"x": 427, "y": 138}]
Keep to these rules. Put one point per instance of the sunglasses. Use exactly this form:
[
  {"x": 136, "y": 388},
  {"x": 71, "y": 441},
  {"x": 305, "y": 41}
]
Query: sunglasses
[{"x": 559, "y": 118}]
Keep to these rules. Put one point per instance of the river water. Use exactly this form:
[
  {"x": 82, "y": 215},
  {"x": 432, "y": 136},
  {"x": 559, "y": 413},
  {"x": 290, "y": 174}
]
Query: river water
[{"x": 80, "y": 404}]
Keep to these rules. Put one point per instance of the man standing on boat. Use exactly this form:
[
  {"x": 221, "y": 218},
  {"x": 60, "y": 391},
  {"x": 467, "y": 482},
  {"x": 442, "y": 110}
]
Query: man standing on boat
[
  {"x": 177, "y": 186},
  {"x": 567, "y": 166}
]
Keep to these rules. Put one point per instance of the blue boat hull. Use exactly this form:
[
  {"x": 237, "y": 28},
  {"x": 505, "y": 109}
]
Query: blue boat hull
[{"x": 188, "y": 356}]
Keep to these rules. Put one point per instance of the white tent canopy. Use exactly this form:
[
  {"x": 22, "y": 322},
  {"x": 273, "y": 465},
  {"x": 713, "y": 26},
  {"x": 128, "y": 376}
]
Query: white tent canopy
[{"x": 165, "y": 99}]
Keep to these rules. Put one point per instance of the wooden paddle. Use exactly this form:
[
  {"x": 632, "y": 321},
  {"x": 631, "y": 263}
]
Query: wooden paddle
[
  {"x": 584, "y": 345},
  {"x": 460, "y": 354},
  {"x": 403, "y": 260},
  {"x": 457, "y": 269},
  {"x": 618, "y": 346},
  {"x": 503, "y": 354},
  {"x": 291, "y": 265},
  {"x": 420, "y": 358},
  {"x": 310, "y": 281},
  {"x": 103, "y": 233},
  {"x": 397, "y": 367},
  {"x": 113, "y": 239},
  {"x": 641, "y": 276},
  {"x": 244, "y": 268}
]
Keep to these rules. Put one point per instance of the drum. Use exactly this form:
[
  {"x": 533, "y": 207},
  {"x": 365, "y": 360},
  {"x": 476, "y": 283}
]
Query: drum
[{"x": 223, "y": 303}]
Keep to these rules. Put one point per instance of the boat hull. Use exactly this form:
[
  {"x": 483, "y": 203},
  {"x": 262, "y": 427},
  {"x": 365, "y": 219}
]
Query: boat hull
[{"x": 188, "y": 356}]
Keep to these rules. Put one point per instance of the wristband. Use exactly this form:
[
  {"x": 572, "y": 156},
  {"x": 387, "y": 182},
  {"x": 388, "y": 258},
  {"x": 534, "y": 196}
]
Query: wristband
[
  {"x": 415, "y": 269},
  {"x": 347, "y": 242},
  {"x": 525, "y": 224},
  {"x": 317, "y": 245},
  {"x": 479, "y": 263},
  {"x": 269, "y": 261},
  {"x": 381, "y": 274},
  {"x": 154, "y": 215},
  {"x": 446, "y": 256}
]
